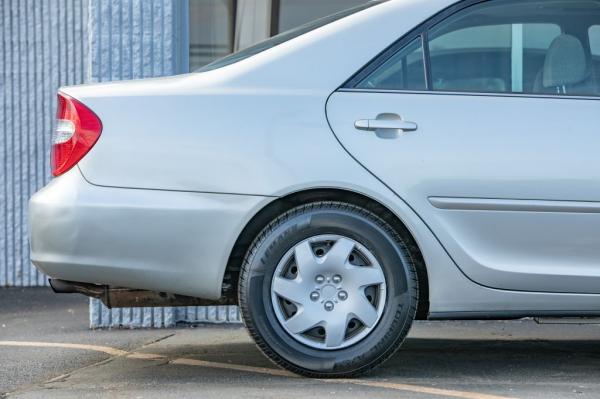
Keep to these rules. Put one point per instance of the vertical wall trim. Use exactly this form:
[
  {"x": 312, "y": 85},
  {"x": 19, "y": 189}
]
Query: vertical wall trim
[
  {"x": 275, "y": 14},
  {"x": 181, "y": 40}
]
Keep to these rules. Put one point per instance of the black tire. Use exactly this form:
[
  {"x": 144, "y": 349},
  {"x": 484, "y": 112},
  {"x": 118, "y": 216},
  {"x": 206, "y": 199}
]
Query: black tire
[{"x": 328, "y": 218}]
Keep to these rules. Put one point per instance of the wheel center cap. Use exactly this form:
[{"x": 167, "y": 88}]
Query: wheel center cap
[{"x": 328, "y": 291}]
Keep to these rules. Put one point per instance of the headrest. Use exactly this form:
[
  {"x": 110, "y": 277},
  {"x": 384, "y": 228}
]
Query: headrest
[{"x": 566, "y": 62}]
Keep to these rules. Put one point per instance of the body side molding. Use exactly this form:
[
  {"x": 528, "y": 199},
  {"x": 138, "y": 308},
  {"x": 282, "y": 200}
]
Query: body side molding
[{"x": 513, "y": 205}]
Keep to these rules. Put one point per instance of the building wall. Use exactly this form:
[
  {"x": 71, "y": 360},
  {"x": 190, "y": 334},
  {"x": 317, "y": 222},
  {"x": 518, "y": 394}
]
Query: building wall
[
  {"x": 131, "y": 40},
  {"x": 43, "y": 45},
  {"x": 46, "y": 44}
]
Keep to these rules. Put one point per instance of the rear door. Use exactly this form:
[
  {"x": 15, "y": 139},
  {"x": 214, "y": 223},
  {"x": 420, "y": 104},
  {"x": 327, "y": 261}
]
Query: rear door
[{"x": 487, "y": 123}]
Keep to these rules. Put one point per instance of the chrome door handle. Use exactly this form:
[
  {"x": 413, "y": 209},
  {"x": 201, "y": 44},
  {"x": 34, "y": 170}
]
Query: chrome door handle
[{"x": 385, "y": 124}]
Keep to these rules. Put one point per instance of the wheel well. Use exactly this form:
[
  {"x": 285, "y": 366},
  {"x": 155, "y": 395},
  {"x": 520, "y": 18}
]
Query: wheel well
[{"x": 283, "y": 204}]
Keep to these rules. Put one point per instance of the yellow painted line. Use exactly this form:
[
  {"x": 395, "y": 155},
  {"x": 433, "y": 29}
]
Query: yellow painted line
[
  {"x": 369, "y": 383},
  {"x": 145, "y": 356},
  {"x": 237, "y": 367},
  {"x": 419, "y": 389},
  {"x": 252, "y": 369},
  {"x": 96, "y": 348}
]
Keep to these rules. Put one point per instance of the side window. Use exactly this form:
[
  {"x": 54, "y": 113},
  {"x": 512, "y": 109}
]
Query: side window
[
  {"x": 513, "y": 47},
  {"x": 405, "y": 70},
  {"x": 470, "y": 58},
  {"x": 502, "y": 58},
  {"x": 510, "y": 46}
]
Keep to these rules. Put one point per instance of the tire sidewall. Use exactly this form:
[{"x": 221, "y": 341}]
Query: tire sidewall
[{"x": 369, "y": 231}]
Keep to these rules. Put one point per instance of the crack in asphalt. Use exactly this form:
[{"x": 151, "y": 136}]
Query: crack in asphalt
[{"x": 64, "y": 377}]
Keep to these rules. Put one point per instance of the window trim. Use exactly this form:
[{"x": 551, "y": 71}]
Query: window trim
[
  {"x": 469, "y": 93},
  {"x": 422, "y": 30},
  {"x": 589, "y": 32},
  {"x": 427, "y": 60}
]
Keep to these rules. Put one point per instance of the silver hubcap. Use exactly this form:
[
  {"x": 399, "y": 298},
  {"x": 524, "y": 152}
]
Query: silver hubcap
[{"x": 328, "y": 292}]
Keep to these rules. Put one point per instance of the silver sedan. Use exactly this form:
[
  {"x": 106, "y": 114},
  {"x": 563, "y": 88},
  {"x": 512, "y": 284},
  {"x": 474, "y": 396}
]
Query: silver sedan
[{"x": 397, "y": 161}]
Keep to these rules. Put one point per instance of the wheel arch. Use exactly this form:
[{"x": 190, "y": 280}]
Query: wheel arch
[{"x": 285, "y": 203}]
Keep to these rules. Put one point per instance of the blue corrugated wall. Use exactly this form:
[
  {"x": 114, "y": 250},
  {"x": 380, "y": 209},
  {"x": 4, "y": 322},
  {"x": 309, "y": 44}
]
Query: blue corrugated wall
[
  {"x": 50, "y": 43},
  {"x": 130, "y": 40},
  {"x": 43, "y": 45}
]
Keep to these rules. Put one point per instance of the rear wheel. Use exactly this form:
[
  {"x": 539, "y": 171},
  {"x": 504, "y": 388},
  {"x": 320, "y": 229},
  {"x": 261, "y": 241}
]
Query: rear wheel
[{"x": 328, "y": 290}]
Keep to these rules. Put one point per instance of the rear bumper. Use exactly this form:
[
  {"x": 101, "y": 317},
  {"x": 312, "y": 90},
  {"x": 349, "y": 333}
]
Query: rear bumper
[{"x": 176, "y": 242}]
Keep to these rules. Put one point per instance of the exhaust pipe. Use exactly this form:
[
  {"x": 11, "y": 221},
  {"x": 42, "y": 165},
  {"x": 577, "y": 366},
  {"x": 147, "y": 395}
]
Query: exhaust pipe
[
  {"x": 62, "y": 287},
  {"x": 118, "y": 297}
]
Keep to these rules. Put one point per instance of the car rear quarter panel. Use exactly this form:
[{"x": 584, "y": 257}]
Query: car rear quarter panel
[{"x": 254, "y": 127}]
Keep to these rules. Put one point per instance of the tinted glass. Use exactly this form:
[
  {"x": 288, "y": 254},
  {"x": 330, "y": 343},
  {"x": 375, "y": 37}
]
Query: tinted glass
[
  {"x": 294, "y": 13},
  {"x": 514, "y": 47},
  {"x": 286, "y": 36},
  {"x": 403, "y": 71},
  {"x": 211, "y": 30}
]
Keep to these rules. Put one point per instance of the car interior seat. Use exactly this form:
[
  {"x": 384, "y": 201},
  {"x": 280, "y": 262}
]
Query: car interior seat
[{"x": 567, "y": 69}]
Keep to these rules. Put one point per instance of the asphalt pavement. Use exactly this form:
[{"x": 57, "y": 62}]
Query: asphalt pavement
[{"x": 47, "y": 351}]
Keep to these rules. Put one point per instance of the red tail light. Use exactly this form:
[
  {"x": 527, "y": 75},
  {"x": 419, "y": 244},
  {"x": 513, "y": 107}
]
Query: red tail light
[{"x": 77, "y": 130}]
